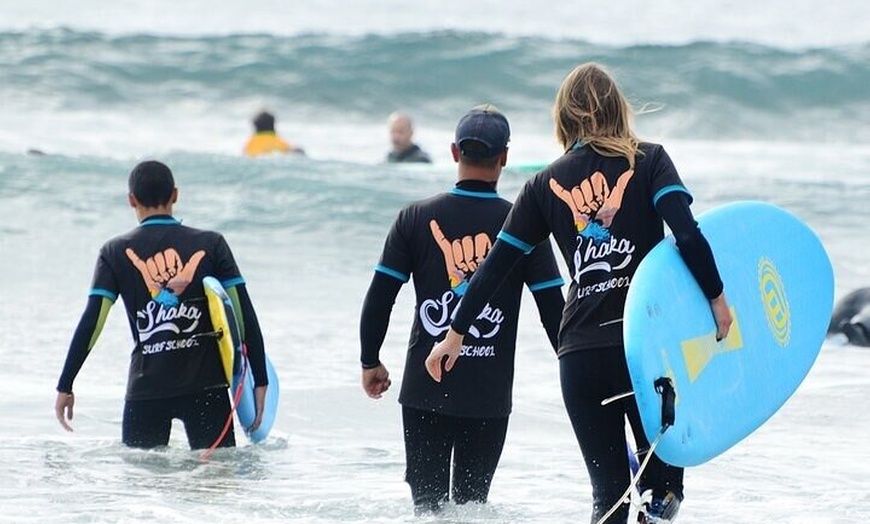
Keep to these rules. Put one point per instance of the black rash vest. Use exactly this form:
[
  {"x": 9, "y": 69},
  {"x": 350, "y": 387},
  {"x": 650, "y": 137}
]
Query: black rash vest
[
  {"x": 440, "y": 242},
  {"x": 158, "y": 269}
]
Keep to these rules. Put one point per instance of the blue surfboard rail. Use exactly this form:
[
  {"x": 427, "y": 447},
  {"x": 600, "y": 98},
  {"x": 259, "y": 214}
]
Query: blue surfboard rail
[
  {"x": 242, "y": 377},
  {"x": 246, "y": 408},
  {"x": 779, "y": 282}
]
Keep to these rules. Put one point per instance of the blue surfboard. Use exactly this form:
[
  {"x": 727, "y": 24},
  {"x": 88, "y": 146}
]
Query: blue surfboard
[
  {"x": 528, "y": 167},
  {"x": 236, "y": 365},
  {"x": 780, "y": 285},
  {"x": 245, "y": 407}
]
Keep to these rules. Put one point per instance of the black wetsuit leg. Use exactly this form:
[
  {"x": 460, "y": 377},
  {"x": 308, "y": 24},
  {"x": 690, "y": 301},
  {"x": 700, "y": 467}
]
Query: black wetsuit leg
[
  {"x": 148, "y": 423},
  {"x": 204, "y": 416},
  {"x": 588, "y": 377},
  {"x": 478, "y": 447},
  {"x": 428, "y": 444},
  {"x": 430, "y": 438}
]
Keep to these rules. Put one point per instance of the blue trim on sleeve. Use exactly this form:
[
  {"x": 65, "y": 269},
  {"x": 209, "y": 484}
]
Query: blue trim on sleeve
[
  {"x": 99, "y": 292},
  {"x": 516, "y": 242},
  {"x": 670, "y": 189},
  {"x": 392, "y": 272},
  {"x": 473, "y": 194},
  {"x": 556, "y": 282},
  {"x": 233, "y": 282}
]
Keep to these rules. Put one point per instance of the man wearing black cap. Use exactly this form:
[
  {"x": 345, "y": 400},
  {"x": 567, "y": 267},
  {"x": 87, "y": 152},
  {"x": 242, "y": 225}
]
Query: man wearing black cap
[
  {"x": 441, "y": 241},
  {"x": 175, "y": 367}
]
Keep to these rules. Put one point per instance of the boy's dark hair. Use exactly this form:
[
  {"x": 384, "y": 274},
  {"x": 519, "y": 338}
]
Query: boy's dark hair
[
  {"x": 152, "y": 183},
  {"x": 473, "y": 154},
  {"x": 264, "y": 121}
]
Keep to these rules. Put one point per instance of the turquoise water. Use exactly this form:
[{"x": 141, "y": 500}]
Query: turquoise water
[
  {"x": 307, "y": 234},
  {"x": 771, "y": 107},
  {"x": 77, "y": 92}
]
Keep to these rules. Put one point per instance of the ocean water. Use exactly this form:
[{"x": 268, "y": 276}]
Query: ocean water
[{"x": 772, "y": 106}]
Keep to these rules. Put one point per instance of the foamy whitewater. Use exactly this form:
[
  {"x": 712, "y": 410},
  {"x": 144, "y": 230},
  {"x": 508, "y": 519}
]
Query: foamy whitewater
[{"x": 760, "y": 101}]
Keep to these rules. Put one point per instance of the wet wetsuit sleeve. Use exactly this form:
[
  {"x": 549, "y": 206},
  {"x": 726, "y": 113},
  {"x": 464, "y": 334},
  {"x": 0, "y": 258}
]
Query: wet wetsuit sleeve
[
  {"x": 375, "y": 317},
  {"x": 392, "y": 271},
  {"x": 230, "y": 278},
  {"x": 226, "y": 269},
  {"x": 103, "y": 293},
  {"x": 673, "y": 207},
  {"x": 524, "y": 228},
  {"x": 551, "y": 302},
  {"x": 249, "y": 326},
  {"x": 545, "y": 282},
  {"x": 85, "y": 336}
]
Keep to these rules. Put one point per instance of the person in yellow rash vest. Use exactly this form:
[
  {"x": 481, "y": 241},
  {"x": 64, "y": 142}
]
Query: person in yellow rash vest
[{"x": 265, "y": 140}]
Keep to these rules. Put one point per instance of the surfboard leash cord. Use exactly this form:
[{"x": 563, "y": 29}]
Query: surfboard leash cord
[
  {"x": 626, "y": 497},
  {"x": 664, "y": 387},
  {"x": 236, "y": 398}
]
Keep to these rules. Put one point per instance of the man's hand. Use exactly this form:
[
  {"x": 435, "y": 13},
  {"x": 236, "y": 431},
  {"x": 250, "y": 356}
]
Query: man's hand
[
  {"x": 376, "y": 381},
  {"x": 259, "y": 406},
  {"x": 722, "y": 315},
  {"x": 63, "y": 409}
]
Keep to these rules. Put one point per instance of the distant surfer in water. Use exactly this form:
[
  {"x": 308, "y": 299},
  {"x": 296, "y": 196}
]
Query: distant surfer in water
[
  {"x": 401, "y": 137},
  {"x": 441, "y": 242},
  {"x": 604, "y": 201},
  {"x": 175, "y": 367},
  {"x": 851, "y": 317},
  {"x": 265, "y": 139}
]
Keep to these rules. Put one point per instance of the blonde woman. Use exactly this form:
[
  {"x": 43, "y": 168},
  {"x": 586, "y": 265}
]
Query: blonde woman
[{"x": 605, "y": 201}]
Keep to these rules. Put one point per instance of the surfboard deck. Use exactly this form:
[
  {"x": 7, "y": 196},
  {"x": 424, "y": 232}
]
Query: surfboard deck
[
  {"x": 236, "y": 367},
  {"x": 223, "y": 318},
  {"x": 527, "y": 167},
  {"x": 779, "y": 283}
]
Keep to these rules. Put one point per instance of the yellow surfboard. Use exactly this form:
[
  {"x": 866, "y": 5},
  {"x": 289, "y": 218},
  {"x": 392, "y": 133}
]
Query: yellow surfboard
[{"x": 223, "y": 320}]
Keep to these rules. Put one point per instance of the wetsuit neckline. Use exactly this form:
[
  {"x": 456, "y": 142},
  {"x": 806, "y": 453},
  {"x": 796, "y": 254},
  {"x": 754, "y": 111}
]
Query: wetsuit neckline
[
  {"x": 475, "y": 189},
  {"x": 578, "y": 144},
  {"x": 160, "y": 220},
  {"x": 407, "y": 152}
]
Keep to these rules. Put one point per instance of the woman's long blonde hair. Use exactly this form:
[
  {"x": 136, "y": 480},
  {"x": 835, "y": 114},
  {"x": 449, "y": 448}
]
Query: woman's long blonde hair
[{"x": 591, "y": 109}]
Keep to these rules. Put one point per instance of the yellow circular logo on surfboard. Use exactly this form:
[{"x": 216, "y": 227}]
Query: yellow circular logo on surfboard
[{"x": 774, "y": 301}]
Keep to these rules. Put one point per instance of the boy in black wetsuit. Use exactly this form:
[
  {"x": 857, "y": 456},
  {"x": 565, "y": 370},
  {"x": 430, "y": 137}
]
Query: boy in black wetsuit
[
  {"x": 441, "y": 241},
  {"x": 175, "y": 367}
]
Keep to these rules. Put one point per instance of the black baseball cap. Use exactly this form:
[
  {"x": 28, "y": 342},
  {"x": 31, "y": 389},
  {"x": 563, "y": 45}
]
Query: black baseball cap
[{"x": 486, "y": 126}]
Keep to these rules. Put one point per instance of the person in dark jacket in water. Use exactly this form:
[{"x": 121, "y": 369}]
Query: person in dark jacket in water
[
  {"x": 401, "y": 135},
  {"x": 851, "y": 317}
]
